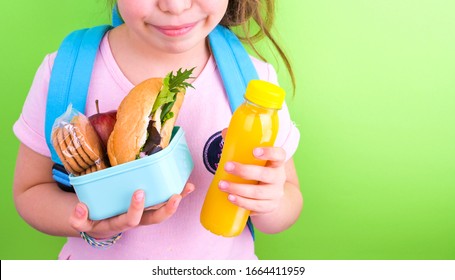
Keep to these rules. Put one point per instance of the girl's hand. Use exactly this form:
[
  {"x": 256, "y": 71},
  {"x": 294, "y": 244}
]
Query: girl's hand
[
  {"x": 266, "y": 196},
  {"x": 134, "y": 217}
]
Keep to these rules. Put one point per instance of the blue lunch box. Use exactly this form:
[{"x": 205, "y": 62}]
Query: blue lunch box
[{"x": 108, "y": 192}]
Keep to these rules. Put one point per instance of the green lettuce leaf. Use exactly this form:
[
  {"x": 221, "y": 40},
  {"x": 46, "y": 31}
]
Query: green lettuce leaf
[{"x": 172, "y": 84}]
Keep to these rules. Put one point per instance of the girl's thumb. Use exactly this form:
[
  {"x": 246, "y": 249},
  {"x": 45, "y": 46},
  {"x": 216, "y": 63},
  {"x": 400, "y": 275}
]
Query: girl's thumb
[{"x": 79, "y": 218}]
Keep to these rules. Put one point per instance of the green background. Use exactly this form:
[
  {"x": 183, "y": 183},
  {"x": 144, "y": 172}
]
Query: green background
[{"x": 375, "y": 106}]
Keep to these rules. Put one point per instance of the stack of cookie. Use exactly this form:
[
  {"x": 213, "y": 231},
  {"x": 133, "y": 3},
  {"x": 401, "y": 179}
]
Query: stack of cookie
[{"x": 79, "y": 147}]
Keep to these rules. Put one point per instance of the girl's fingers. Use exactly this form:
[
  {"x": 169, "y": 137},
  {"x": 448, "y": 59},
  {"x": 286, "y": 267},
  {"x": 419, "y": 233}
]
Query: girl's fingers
[
  {"x": 266, "y": 175},
  {"x": 223, "y": 133},
  {"x": 163, "y": 213},
  {"x": 168, "y": 209},
  {"x": 275, "y": 157},
  {"x": 189, "y": 188},
  {"x": 269, "y": 174},
  {"x": 255, "y": 206},
  {"x": 133, "y": 216},
  {"x": 259, "y": 191},
  {"x": 114, "y": 225},
  {"x": 79, "y": 218}
]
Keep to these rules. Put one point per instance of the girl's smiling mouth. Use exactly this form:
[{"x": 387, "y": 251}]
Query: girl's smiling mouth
[{"x": 174, "y": 30}]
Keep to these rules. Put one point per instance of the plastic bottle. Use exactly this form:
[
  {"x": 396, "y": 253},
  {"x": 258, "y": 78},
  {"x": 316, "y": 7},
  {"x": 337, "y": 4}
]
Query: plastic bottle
[{"x": 253, "y": 124}]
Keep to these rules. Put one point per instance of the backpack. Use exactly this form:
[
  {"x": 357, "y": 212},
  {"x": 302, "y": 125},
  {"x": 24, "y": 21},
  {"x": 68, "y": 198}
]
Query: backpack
[{"x": 73, "y": 65}]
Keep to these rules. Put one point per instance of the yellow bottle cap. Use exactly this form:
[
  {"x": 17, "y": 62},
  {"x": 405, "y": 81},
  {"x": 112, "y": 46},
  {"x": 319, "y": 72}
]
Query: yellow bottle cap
[{"x": 265, "y": 94}]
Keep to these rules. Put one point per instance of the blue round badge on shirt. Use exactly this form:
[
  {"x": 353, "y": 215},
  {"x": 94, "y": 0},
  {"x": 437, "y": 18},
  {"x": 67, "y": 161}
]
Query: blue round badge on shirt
[{"x": 212, "y": 152}]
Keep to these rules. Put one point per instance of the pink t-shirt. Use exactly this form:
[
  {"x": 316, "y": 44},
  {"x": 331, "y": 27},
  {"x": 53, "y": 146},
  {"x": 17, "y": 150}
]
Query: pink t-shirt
[{"x": 205, "y": 112}]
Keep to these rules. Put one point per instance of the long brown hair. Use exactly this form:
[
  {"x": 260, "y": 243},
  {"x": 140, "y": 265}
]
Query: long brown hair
[
  {"x": 241, "y": 13},
  {"x": 255, "y": 19}
]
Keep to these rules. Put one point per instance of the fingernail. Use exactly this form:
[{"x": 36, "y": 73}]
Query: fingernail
[
  {"x": 80, "y": 212},
  {"x": 223, "y": 185},
  {"x": 231, "y": 198},
  {"x": 258, "y": 152},
  {"x": 229, "y": 166},
  {"x": 138, "y": 196},
  {"x": 176, "y": 203}
]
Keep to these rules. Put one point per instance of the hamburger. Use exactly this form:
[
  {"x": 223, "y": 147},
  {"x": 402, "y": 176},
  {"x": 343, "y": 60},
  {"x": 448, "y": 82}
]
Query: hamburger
[{"x": 146, "y": 117}]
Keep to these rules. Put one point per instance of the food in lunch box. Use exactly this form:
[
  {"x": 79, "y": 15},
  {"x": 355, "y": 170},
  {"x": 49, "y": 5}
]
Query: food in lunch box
[
  {"x": 78, "y": 145},
  {"x": 146, "y": 117},
  {"x": 103, "y": 123}
]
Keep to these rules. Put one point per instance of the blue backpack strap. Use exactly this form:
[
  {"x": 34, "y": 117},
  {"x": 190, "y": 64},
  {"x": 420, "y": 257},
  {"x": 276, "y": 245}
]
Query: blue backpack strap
[
  {"x": 59, "y": 84},
  {"x": 116, "y": 18},
  {"x": 83, "y": 67},
  {"x": 70, "y": 80},
  {"x": 234, "y": 64}
]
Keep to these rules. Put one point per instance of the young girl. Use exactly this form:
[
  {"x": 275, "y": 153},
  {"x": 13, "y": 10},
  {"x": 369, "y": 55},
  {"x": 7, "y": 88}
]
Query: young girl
[{"x": 160, "y": 36}]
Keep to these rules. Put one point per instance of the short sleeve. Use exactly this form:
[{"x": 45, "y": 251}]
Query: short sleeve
[
  {"x": 288, "y": 136},
  {"x": 29, "y": 128}
]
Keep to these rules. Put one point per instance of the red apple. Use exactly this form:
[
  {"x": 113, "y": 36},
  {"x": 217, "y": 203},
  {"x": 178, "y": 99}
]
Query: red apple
[{"x": 103, "y": 123}]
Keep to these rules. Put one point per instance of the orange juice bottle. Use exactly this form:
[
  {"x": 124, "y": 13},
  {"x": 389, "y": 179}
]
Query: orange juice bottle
[{"x": 253, "y": 124}]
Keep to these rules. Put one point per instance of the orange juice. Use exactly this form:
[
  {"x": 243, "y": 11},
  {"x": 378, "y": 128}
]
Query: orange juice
[{"x": 253, "y": 124}]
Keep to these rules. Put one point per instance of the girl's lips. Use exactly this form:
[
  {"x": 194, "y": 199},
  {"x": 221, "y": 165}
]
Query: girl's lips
[{"x": 175, "y": 31}]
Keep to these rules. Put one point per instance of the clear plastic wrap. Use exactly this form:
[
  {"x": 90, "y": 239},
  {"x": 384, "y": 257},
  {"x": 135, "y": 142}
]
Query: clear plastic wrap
[{"x": 77, "y": 143}]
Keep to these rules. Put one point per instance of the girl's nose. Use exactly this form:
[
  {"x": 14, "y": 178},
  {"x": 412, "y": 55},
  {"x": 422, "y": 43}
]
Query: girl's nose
[{"x": 174, "y": 6}]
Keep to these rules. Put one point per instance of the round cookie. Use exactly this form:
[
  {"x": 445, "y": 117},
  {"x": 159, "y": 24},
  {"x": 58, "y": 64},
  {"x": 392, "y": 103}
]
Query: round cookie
[
  {"x": 88, "y": 138},
  {"x": 73, "y": 147},
  {"x": 68, "y": 161}
]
